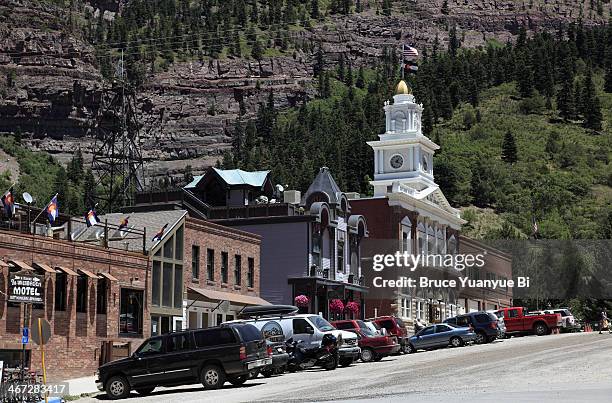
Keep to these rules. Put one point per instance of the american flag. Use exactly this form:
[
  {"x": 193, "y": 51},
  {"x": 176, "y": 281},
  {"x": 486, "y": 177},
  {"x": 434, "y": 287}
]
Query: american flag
[
  {"x": 160, "y": 234},
  {"x": 409, "y": 53}
]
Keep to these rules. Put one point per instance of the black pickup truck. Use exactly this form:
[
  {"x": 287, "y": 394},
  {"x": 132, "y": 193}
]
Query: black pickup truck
[{"x": 210, "y": 356}]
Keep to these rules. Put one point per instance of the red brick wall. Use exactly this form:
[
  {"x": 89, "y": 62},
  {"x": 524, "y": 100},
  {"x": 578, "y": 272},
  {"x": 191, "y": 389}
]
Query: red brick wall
[
  {"x": 221, "y": 239},
  {"x": 76, "y": 341}
]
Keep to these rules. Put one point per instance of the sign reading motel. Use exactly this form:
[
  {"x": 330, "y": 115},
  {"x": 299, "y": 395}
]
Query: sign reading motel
[{"x": 26, "y": 288}]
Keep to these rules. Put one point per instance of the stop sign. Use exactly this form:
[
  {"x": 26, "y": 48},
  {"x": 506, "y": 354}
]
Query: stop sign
[{"x": 45, "y": 331}]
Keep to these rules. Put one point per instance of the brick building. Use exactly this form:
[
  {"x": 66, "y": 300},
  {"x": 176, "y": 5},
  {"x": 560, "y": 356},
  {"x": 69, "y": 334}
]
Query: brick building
[
  {"x": 88, "y": 291},
  {"x": 195, "y": 266}
]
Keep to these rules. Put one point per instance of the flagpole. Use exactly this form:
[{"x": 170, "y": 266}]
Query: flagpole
[
  {"x": 402, "y": 61},
  {"x": 43, "y": 209}
]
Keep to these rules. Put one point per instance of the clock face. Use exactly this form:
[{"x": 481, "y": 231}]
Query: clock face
[
  {"x": 425, "y": 165},
  {"x": 397, "y": 161}
]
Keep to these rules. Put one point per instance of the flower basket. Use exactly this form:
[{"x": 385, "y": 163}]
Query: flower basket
[
  {"x": 336, "y": 306},
  {"x": 352, "y": 307},
  {"x": 302, "y": 301}
]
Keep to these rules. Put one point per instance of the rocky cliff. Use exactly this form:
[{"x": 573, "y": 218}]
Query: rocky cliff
[{"x": 50, "y": 80}]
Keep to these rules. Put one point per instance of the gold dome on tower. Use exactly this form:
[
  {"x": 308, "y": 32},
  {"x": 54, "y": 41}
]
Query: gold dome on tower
[{"x": 402, "y": 88}]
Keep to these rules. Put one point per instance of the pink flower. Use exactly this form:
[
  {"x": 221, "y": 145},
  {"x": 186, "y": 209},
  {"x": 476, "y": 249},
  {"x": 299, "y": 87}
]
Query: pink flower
[
  {"x": 352, "y": 307},
  {"x": 336, "y": 306},
  {"x": 302, "y": 301}
]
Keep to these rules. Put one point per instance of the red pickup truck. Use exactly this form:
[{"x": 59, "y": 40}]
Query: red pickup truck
[{"x": 518, "y": 320}]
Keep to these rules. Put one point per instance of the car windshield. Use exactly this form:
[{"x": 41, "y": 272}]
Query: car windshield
[
  {"x": 493, "y": 316},
  {"x": 362, "y": 325},
  {"x": 368, "y": 332},
  {"x": 321, "y": 323}
]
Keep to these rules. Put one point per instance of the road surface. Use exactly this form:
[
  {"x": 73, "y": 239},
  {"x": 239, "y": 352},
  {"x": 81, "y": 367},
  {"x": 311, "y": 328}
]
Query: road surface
[{"x": 556, "y": 368}]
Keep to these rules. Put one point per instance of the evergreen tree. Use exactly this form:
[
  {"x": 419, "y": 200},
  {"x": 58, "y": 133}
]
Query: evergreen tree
[
  {"x": 524, "y": 75},
  {"x": 565, "y": 100},
  {"x": 257, "y": 50},
  {"x": 319, "y": 65},
  {"x": 89, "y": 190},
  {"x": 453, "y": 42},
  {"x": 509, "y": 150},
  {"x": 552, "y": 144},
  {"x": 590, "y": 105},
  {"x": 75, "y": 167},
  {"x": 360, "y": 83},
  {"x": 444, "y": 9},
  {"x": 386, "y": 7},
  {"x": 314, "y": 9},
  {"x": 60, "y": 184},
  {"x": 349, "y": 75}
]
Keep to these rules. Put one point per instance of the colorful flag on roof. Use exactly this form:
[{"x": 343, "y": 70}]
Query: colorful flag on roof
[
  {"x": 53, "y": 209},
  {"x": 124, "y": 223},
  {"x": 160, "y": 234},
  {"x": 91, "y": 218}
]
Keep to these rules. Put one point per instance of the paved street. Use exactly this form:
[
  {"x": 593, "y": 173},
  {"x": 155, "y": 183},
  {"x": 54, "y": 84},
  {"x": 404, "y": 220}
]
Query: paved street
[{"x": 559, "y": 368}]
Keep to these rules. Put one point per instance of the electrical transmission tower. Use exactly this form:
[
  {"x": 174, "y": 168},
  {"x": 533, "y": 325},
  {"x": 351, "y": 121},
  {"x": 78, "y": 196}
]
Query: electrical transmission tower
[{"x": 117, "y": 158}]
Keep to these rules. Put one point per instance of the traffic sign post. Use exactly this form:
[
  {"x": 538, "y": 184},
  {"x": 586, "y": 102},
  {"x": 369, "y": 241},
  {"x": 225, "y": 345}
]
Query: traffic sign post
[{"x": 25, "y": 335}]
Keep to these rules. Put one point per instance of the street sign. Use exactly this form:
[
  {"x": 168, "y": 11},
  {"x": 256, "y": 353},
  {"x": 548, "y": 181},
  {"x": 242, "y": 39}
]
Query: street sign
[
  {"x": 26, "y": 287},
  {"x": 25, "y": 335},
  {"x": 45, "y": 332}
]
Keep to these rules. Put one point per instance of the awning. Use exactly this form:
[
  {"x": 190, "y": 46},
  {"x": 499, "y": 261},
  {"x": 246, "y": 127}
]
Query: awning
[
  {"x": 239, "y": 299},
  {"x": 87, "y": 273},
  {"x": 21, "y": 265},
  {"x": 44, "y": 267},
  {"x": 107, "y": 276},
  {"x": 67, "y": 271}
]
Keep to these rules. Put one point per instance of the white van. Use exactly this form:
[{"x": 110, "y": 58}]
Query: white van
[{"x": 309, "y": 328}]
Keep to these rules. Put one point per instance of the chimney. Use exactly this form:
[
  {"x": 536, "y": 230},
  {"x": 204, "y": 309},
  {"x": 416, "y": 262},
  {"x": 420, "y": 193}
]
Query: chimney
[{"x": 292, "y": 196}]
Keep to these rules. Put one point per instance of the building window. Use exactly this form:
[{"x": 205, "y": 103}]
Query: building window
[
  {"x": 81, "y": 297},
  {"x": 251, "y": 273},
  {"x": 156, "y": 283},
  {"x": 195, "y": 261},
  {"x": 101, "y": 296},
  {"x": 167, "y": 273},
  {"x": 419, "y": 309},
  {"x": 340, "y": 259},
  {"x": 238, "y": 269},
  {"x": 178, "y": 286},
  {"x": 130, "y": 312},
  {"x": 316, "y": 244},
  {"x": 224, "y": 263},
  {"x": 60, "y": 291},
  {"x": 210, "y": 264},
  {"x": 406, "y": 307}
]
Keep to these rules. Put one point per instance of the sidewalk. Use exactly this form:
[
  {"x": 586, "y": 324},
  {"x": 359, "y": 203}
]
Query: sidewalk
[{"x": 78, "y": 386}]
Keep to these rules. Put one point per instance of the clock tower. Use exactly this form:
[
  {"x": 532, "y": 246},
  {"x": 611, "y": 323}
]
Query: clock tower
[{"x": 403, "y": 156}]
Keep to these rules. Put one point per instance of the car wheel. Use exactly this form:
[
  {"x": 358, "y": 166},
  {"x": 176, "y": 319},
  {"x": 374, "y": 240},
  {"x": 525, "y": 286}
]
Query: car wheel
[
  {"x": 481, "y": 338},
  {"x": 145, "y": 391},
  {"x": 117, "y": 387},
  {"x": 238, "y": 380},
  {"x": 456, "y": 341},
  {"x": 332, "y": 363},
  {"x": 378, "y": 357},
  {"x": 540, "y": 329},
  {"x": 409, "y": 349},
  {"x": 254, "y": 374},
  {"x": 345, "y": 362},
  {"x": 212, "y": 377},
  {"x": 267, "y": 372},
  {"x": 367, "y": 355}
]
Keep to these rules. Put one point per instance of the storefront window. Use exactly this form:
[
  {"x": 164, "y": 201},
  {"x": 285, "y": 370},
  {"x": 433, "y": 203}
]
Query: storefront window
[
  {"x": 178, "y": 286},
  {"x": 156, "y": 283},
  {"x": 316, "y": 245},
  {"x": 167, "y": 273},
  {"x": 130, "y": 313},
  {"x": 340, "y": 260},
  {"x": 167, "y": 289}
]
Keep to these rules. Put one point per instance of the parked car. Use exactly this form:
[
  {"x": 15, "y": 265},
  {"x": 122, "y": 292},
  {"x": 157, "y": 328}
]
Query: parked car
[
  {"x": 518, "y": 320},
  {"x": 568, "y": 322},
  {"x": 396, "y": 327},
  {"x": 501, "y": 324},
  {"x": 308, "y": 328},
  {"x": 373, "y": 346},
  {"x": 440, "y": 335},
  {"x": 483, "y": 323},
  {"x": 210, "y": 356},
  {"x": 375, "y": 327}
]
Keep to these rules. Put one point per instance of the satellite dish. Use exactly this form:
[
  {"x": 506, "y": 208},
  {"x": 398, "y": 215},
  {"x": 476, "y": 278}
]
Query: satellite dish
[{"x": 27, "y": 197}]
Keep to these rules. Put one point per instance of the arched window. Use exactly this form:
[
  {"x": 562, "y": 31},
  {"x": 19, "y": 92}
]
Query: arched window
[
  {"x": 421, "y": 238},
  {"x": 452, "y": 245},
  {"x": 407, "y": 235}
]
